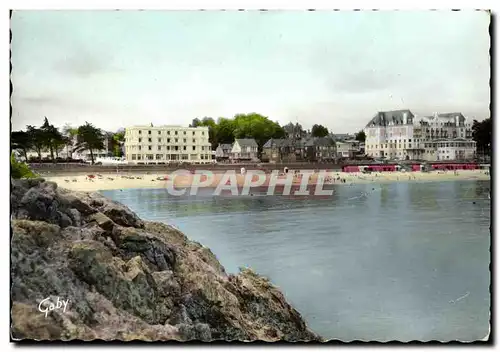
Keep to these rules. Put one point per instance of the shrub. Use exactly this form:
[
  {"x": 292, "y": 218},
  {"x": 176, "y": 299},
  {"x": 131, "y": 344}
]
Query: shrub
[{"x": 19, "y": 169}]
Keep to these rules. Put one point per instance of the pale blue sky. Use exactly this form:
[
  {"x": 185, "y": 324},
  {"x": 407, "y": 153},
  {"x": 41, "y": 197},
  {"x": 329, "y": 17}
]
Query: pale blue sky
[{"x": 121, "y": 68}]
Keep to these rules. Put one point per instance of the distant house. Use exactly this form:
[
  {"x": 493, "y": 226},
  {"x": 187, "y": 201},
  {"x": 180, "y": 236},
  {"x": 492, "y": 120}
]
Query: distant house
[
  {"x": 283, "y": 150},
  {"x": 348, "y": 149},
  {"x": 223, "y": 152},
  {"x": 340, "y": 137},
  {"x": 320, "y": 149},
  {"x": 244, "y": 149}
]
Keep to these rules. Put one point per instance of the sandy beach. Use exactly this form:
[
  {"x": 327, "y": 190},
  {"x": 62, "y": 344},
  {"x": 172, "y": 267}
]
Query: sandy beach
[{"x": 80, "y": 182}]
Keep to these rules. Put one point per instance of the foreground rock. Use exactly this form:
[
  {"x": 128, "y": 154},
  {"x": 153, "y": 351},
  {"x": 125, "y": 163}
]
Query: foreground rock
[{"x": 128, "y": 279}]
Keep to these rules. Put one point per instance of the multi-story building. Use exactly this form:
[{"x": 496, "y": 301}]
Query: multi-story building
[
  {"x": 167, "y": 144},
  {"x": 401, "y": 135}
]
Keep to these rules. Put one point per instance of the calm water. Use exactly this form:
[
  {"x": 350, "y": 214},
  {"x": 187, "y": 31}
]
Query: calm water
[{"x": 405, "y": 261}]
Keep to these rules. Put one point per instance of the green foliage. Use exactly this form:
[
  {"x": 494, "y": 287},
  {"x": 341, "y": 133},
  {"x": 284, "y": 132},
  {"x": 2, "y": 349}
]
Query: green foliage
[
  {"x": 361, "y": 136},
  {"x": 37, "y": 139},
  {"x": 52, "y": 138},
  {"x": 117, "y": 139},
  {"x": 19, "y": 169},
  {"x": 90, "y": 138},
  {"x": 319, "y": 131},
  {"x": 481, "y": 133},
  {"x": 212, "y": 129},
  {"x": 251, "y": 125},
  {"x": 21, "y": 141}
]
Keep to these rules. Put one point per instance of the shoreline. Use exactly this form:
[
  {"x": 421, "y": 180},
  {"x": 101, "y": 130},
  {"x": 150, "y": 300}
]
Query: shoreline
[{"x": 157, "y": 181}]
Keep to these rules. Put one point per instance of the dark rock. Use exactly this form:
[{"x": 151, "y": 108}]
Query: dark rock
[
  {"x": 102, "y": 221},
  {"x": 128, "y": 279},
  {"x": 75, "y": 216}
]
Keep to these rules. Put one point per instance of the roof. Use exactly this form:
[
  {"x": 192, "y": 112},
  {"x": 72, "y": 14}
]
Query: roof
[
  {"x": 319, "y": 141},
  {"x": 284, "y": 142},
  {"x": 246, "y": 142},
  {"x": 225, "y": 146},
  {"x": 450, "y": 114},
  {"x": 382, "y": 118}
]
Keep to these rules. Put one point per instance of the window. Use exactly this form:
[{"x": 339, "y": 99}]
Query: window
[
  {"x": 149, "y": 132},
  {"x": 184, "y": 132},
  {"x": 140, "y": 132},
  {"x": 168, "y": 147},
  {"x": 159, "y": 140},
  {"x": 168, "y": 132},
  {"x": 149, "y": 148},
  {"x": 194, "y": 133},
  {"x": 176, "y": 133},
  {"x": 184, "y": 140},
  {"x": 159, "y": 156},
  {"x": 194, "y": 141},
  {"x": 194, "y": 147},
  {"x": 176, "y": 148},
  {"x": 134, "y": 156},
  {"x": 184, "y": 148},
  {"x": 159, "y": 132},
  {"x": 139, "y": 147},
  {"x": 176, "y": 140},
  {"x": 168, "y": 140},
  {"x": 149, "y": 140},
  {"x": 202, "y": 133},
  {"x": 140, "y": 140},
  {"x": 159, "y": 147}
]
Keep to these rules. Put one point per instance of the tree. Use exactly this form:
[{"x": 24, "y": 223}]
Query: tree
[
  {"x": 481, "y": 133},
  {"x": 21, "y": 141},
  {"x": 212, "y": 129},
  {"x": 37, "y": 139},
  {"x": 52, "y": 138},
  {"x": 361, "y": 136},
  {"x": 69, "y": 134},
  {"x": 319, "y": 131},
  {"x": 225, "y": 130},
  {"x": 258, "y": 127},
  {"x": 90, "y": 138},
  {"x": 117, "y": 141}
]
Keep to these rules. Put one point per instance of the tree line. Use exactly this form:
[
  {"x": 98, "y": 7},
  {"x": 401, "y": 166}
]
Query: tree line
[
  {"x": 47, "y": 137},
  {"x": 253, "y": 125}
]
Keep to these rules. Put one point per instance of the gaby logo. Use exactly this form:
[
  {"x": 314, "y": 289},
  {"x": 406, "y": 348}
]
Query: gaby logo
[{"x": 47, "y": 306}]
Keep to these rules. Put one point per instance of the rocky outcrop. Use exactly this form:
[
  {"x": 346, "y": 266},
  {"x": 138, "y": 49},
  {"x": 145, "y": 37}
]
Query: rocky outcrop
[{"x": 128, "y": 279}]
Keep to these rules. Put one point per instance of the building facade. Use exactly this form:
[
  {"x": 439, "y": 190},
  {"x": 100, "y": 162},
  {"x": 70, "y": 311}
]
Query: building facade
[
  {"x": 245, "y": 149},
  {"x": 348, "y": 149},
  {"x": 401, "y": 135},
  {"x": 167, "y": 144},
  {"x": 223, "y": 152}
]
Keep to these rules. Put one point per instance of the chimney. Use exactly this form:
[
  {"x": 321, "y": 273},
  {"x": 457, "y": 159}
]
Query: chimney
[
  {"x": 457, "y": 121},
  {"x": 405, "y": 117}
]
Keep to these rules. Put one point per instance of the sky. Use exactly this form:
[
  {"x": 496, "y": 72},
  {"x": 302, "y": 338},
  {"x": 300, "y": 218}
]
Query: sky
[{"x": 336, "y": 68}]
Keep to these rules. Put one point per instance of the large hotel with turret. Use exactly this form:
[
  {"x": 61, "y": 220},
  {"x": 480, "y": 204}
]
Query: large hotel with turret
[{"x": 401, "y": 135}]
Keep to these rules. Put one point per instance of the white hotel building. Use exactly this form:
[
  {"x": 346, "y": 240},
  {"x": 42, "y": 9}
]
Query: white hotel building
[
  {"x": 165, "y": 144},
  {"x": 401, "y": 135}
]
